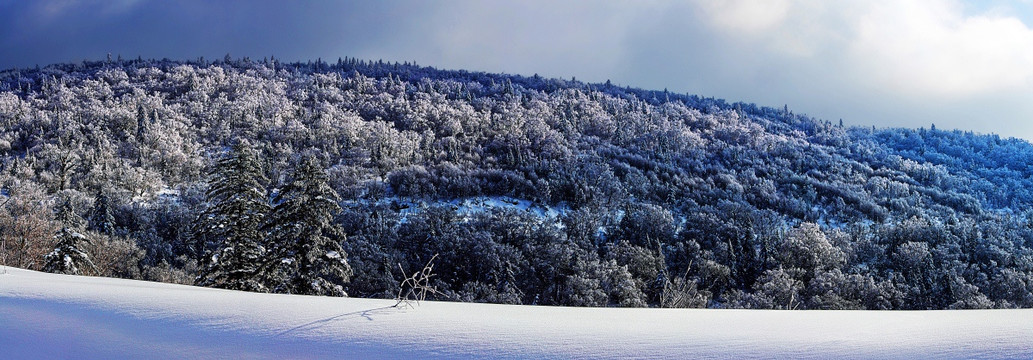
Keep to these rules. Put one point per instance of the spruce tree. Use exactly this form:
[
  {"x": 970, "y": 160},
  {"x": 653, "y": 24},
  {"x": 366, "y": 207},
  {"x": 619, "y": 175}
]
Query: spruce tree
[
  {"x": 237, "y": 208},
  {"x": 102, "y": 218},
  {"x": 306, "y": 243},
  {"x": 69, "y": 255}
]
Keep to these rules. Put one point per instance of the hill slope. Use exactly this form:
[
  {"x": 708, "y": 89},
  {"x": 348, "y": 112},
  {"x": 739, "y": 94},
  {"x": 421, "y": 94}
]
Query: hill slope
[
  {"x": 56, "y": 316},
  {"x": 530, "y": 190}
]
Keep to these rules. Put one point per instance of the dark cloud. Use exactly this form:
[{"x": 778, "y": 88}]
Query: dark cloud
[{"x": 56, "y": 31}]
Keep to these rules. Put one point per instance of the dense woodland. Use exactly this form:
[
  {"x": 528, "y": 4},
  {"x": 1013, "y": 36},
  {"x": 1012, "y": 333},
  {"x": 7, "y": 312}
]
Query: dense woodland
[{"x": 333, "y": 178}]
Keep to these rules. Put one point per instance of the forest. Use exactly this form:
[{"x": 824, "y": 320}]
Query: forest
[{"x": 343, "y": 178}]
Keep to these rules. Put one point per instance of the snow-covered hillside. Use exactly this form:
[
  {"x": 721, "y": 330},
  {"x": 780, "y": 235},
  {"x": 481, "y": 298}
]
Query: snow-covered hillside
[{"x": 59, "y": 316}]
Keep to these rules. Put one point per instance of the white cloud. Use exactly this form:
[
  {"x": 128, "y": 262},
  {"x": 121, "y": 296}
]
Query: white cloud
[
  {"x": 919, "y": 48},
  {"x": 901, "y": 63},
  {"x": 797, "y": 28},
  {"x": 932, "y": 48},
  {"x": 745, "y": 16}
]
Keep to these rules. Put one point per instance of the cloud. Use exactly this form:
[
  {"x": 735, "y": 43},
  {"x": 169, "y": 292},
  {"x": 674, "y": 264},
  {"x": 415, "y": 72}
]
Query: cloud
[
  {"x": 932, "y": 48},
  {"x": 884, "y": 62},
  {"x": 915, "y": 48},
  {"x": 546, "y": 37},
  {"x": 46, "y": 11},
  {"x": 749, "y": 17}
]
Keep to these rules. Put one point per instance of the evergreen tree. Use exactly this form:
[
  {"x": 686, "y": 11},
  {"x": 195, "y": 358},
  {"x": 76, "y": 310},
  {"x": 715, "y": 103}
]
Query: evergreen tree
[
  {"x": 102, "y": 218},
  {"x": 237, "y": 208},
  {"x": 69, "y": 256},
  {"x": 306, "y": 244}
]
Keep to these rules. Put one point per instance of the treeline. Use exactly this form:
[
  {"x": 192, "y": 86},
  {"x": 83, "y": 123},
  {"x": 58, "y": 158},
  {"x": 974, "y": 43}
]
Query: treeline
[{"x": 638, "y": 198}]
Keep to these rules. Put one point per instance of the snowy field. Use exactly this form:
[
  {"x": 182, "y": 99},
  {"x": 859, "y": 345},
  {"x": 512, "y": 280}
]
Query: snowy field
[{"x": 58, "y": 316}]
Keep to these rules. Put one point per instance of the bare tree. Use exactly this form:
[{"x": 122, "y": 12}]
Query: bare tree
[{"x": 415, "y": 287}]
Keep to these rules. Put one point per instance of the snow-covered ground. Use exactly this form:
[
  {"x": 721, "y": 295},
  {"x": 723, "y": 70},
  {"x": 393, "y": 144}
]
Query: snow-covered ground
[{"x": 57, "y": 316}]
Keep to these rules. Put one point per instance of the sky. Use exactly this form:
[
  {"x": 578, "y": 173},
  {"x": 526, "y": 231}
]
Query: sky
[{"x": 887, "y": 63}]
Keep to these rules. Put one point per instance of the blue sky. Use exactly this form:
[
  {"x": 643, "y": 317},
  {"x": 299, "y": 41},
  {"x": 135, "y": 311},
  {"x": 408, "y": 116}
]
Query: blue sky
[{"x": 899, "y": 63}]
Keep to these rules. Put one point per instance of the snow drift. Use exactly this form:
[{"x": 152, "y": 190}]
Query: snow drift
[{"x": 58, "y": 316}]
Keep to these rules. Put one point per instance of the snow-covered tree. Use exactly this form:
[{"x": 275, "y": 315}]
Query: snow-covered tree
[
  {"x": 69, "y": 255},
  {"x": 715, "y": 197},
  {"x": 102, "y": 217},
  {"x": 26, "y": 229},
  {"x": 307, "y": 257},
  {"x": 237, "y": 209}
]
